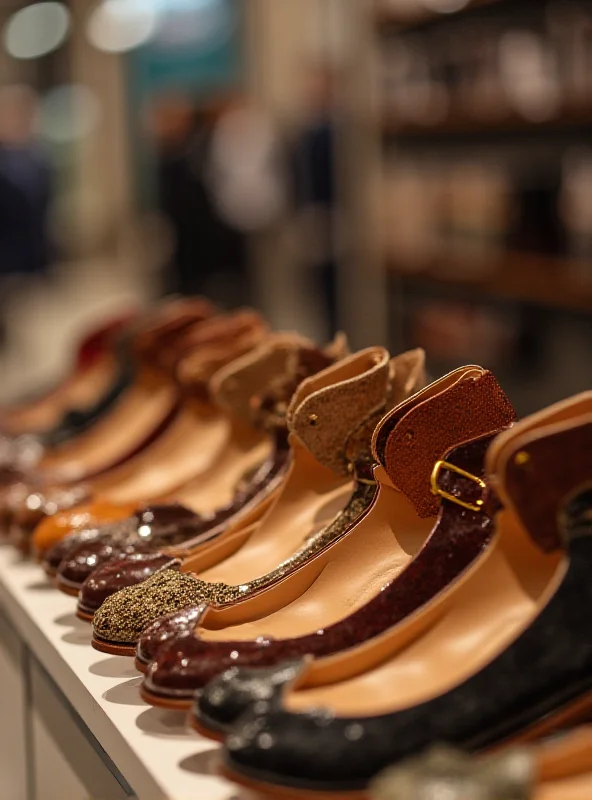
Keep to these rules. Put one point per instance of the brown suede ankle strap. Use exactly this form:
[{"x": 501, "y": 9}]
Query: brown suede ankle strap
[{"x": 328, "y": 407}]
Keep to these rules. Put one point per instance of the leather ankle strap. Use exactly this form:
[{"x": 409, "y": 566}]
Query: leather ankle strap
[{"x": 417, "y": 434}]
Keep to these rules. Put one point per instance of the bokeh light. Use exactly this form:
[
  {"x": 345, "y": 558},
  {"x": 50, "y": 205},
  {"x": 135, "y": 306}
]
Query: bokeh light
[
  {"x": 202, "y": 23},
  {"x": 117, "y": 26},
  {"x": 36, "y": 30},
  {"x": 68, "y": 113}
]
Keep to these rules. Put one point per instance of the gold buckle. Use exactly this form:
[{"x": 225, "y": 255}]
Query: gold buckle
[{"x": 439, "y": 465}]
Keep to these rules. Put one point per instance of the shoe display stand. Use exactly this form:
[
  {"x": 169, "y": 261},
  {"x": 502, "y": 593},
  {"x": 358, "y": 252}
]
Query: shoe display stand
[{"x": 74, "y": 724}]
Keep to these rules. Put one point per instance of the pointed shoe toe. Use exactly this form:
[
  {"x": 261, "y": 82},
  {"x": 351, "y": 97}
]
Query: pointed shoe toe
[
  {"x": 219, "y": 705},
  {"x": 62, "y": 549},
  {"x": 118, "y": 573},
  {"x": 164, "y": 630},
  {"x": 123, "y": 616}
]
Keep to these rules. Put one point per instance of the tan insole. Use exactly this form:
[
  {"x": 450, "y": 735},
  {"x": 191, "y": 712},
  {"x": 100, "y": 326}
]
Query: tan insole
[
  {"x": 216, "y": 486},
  {"x": 577, "y": 787},
  {"x": 481, "y": 616},
  {"x": 565, "y": 753},
  {"x": 129, "y": 423},
  {"x": 183, "y": 451},
  {"x": 335, "y": 584},
  {"x": 86, "y": 387},
  {"x": 82, "y": 390},
  {"x": 311, "y": 496}
]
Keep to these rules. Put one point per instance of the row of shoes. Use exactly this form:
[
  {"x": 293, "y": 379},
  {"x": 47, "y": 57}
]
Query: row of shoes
[{"x": 329, "y": 562}]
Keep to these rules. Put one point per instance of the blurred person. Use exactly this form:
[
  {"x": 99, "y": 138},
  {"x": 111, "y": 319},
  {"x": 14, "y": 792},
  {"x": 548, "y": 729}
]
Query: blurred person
[
  {"x": 209, "y": 253},
  {"x": 315, "y": 181},
  {"x": 247, "y": 173},
  {"x": 25, "y": 196}
]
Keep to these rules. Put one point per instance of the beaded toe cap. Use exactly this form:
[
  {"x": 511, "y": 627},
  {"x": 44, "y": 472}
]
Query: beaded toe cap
[{"x": 124, "y": 615}]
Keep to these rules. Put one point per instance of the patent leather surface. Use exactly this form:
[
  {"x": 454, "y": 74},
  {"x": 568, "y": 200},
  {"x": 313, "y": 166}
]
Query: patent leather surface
[
  {"x": 62, "y": 549},
  {"x": 138, "y": 566},
  {"x": 140, "y": 534}
]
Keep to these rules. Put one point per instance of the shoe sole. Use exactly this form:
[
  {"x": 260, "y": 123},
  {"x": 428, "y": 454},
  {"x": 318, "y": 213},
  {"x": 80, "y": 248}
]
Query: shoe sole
[
  {"x": 274, "y": 791},
  {"x": 112, "y": 648},
  {"x": 164, "y": 702},
  {"x": 141, "y": 666},
  {"x": 67, "y": 588},
  {"x": 205, "y": 731}
]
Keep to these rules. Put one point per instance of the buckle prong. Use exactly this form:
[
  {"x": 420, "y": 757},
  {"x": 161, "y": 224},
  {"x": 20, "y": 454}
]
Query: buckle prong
[{"x": 438, "y": 466}]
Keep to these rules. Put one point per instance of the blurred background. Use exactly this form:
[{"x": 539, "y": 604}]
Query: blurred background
[{"x": 416, "y": 172}]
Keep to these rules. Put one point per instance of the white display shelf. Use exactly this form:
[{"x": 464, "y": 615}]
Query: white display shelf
[{"x": 155, "y": 752}]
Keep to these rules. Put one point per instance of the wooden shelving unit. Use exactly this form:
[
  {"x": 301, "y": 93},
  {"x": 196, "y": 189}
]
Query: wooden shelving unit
[
  {"x": 518, "y": 276},
  {"x": 527, "y": 277},
  {"x": 526, "y": 311},
  {"x": 576, "y": 116},
  {"x": 386, "y": 18}
]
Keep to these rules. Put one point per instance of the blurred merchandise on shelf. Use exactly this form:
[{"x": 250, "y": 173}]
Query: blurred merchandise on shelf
[
  {"x": 483, "y": 113},
  {"x": 463, "y": 331}
]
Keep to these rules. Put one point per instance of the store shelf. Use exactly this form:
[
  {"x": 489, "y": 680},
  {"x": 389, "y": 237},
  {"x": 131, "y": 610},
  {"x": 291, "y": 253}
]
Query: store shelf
[
  {"x": 461, "y": 124},
  {"x": 387, "y": 19},
  {"x": 531, "y": 278},
  {"x": 151, "y": 748}
]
